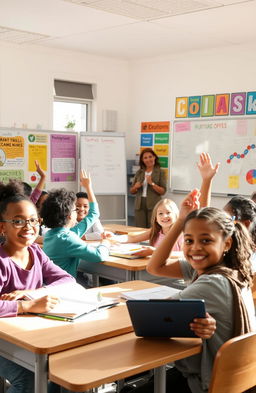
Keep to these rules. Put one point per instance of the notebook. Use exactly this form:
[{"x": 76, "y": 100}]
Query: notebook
[
  {"x": 164, "y": 318},
  {"x": 127, "y": 250},
  {"x": 74, "y": 301}
]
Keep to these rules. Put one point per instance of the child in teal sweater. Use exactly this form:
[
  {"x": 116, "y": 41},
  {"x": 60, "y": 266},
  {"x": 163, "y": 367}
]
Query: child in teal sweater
[{"x": 63, "y": 243}]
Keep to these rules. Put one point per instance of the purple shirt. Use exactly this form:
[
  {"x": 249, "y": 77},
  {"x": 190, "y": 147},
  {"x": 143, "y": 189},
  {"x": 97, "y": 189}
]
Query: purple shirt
[
  {"x": 35, "y": 195},
  {"x": 13, "y": 277}
]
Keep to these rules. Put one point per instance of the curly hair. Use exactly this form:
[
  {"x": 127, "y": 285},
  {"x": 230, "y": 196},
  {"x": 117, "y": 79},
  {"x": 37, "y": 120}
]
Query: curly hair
[
  {"x": 57, "y": 208},
  {"x": 82, "y": 194},
  {"x": 238, "y": 256},
  {"x": 155, "y": 227},
  {"x": 148, "y": 150},
  {"x": 244, "y": 209},
  {"x": 12, "y": 192}
]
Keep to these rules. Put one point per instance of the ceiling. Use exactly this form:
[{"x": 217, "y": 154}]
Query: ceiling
[{"x": 128, "y": 29}]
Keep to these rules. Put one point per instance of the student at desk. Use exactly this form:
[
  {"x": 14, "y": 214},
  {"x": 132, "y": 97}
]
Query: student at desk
[
  {"x": 23, "y": 266},
  {"x": 63, "y": 243},
  {"x": 82, "y": 208},
  {"x": 218, "y": 269}
]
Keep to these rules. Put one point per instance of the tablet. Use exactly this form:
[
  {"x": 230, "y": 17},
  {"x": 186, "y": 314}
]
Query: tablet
[{"x": 165, "y": 318}]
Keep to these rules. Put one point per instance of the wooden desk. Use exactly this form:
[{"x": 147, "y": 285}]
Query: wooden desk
[
  {"x": 89, "y": 366},
  {"x": 121, "y": 269},
  {"x": 123, "y": 229},
  {"x": 28, "y": 340}
]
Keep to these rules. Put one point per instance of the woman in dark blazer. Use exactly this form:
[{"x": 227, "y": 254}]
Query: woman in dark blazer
[{"x": 149, "y": 184}]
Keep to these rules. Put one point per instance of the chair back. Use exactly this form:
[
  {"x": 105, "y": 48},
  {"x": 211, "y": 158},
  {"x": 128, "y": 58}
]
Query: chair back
[{"x": 234, "y": 369}]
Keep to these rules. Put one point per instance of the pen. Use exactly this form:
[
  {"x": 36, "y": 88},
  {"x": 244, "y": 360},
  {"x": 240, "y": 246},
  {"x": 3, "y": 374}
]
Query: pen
[{"x": 54, "y": 317}]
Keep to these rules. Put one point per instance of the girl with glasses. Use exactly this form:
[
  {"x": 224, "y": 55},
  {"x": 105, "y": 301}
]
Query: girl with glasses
[{"x": 23, "y": 267}]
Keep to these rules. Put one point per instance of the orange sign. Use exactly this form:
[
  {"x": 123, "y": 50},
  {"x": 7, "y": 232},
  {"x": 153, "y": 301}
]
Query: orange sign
[{"x": 155, "y": 126}]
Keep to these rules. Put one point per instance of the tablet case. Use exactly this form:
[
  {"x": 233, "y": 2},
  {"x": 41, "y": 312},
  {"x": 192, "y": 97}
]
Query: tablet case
[{"x": 164, "y": 318}]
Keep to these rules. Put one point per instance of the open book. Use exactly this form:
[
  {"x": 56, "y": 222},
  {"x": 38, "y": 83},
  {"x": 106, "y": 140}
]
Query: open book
[
  {"x": 127, "y": 250},
  {"x": 160, "y": 292},
  {"x": 75, "y": 301}
]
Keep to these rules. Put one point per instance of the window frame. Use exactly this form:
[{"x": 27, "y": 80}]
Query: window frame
[{"x": 82, "y": 101}]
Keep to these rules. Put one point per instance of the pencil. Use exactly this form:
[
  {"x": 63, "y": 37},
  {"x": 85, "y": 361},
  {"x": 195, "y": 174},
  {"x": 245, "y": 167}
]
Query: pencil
[{"x": 55, "y": 317}]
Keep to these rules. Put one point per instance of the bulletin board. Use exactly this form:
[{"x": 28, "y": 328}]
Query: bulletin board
[
  {"x": 232, "y": 142},
  {"x": 56, "y": 152}
]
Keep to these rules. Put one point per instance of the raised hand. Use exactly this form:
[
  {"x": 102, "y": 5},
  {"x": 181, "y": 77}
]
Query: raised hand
[
  {"x": 39, "y": 170},
  {"x": 206, "y": 168},
  {"x": 85, "y": 179},
  {"x": 190, "y": 203}
]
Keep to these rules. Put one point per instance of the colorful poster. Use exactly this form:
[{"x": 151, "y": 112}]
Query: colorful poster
[
  {"x": 11, "y": 151},
  {"x": 155, "y": 126},
  {"x": 156, "y": 135},
  {"x": 6, "y": 174},
  {"x": 63, "y": 157}
]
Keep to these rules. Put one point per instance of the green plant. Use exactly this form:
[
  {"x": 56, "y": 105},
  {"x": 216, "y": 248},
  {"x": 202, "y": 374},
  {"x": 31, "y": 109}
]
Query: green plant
[{"x": 70, "y": 124}]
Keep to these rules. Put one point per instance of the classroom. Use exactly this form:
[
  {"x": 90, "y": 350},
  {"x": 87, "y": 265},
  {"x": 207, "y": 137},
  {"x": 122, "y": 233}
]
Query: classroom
[{"x": 168, "y": 65}]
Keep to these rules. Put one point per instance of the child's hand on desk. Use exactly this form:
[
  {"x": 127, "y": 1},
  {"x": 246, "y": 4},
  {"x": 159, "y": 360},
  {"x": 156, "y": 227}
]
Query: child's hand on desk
[
  {"x": 204, "y": 327},
  {"x": 41, "y": 305},
  {"x": 107, "y": 235},
  {"x": 145, "y": 252},
  {"x": 15, "y": 295}
]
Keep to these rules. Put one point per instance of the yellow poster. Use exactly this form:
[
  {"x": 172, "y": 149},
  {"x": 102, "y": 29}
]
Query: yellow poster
[
  {"x": 233, "y": 182},
  {"x": 11, "y": 151},
  {"x": 161, "y": 150},
  {"x": 39, "y": 153}
]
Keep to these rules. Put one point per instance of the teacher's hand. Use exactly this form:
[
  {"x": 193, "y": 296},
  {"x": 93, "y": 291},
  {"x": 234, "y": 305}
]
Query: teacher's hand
[{"x": 149, "y": 180}]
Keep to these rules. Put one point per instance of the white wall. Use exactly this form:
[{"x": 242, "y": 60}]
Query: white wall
[
  {"x": 155, "y": 84},
  {"x": 139, "y": 91},
  {"x": 26, "y": 84}
]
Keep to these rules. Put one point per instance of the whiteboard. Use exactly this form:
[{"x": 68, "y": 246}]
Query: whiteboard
[
  {"x": 232, "y": 142},
  {"x": 103, "y": 156}
]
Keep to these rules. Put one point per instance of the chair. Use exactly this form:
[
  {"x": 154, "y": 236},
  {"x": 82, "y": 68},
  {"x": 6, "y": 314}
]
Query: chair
[{"x": 234, "y": 369}]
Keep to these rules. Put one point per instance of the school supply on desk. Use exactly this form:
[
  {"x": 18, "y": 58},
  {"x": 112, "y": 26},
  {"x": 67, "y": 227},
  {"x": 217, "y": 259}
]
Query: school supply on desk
[
  {"x": 159, "y": 292},
  {"x": 127, "y": 250},
  {"x": 164, "y": 318},
  {"x": 75, "y": 301}
]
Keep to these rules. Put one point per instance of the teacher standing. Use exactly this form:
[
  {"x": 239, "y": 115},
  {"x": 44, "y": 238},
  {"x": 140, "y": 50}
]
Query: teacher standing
[{"x": 148, "y": 184}]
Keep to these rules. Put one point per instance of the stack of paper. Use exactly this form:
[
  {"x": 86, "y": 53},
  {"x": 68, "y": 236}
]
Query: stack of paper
[
  {"x": 127, "y": 250},
  {"x": 160, "y": 292}
]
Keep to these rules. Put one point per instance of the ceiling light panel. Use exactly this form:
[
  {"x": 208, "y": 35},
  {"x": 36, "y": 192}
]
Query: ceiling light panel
[
  {"x": 128, "y": 9},
  {"x": 177, "y": 6},
  {"x": 19, "y": 36}
]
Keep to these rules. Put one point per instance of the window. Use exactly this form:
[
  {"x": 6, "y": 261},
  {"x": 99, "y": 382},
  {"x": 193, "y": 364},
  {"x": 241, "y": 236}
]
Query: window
[{"x": 72, "y": 106}]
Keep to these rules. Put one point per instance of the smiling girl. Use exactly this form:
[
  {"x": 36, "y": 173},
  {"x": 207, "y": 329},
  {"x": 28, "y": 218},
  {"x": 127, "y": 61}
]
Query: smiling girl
[
  {"x": 23, "y": 267},
  {"x": 217, "y": 267}
]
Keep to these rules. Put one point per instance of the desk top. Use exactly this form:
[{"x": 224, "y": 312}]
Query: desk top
[
  {"x": 44, "y": 336},
  {"x": 127, "y": 264},
  {"x": 91, "y": 365},
  {"x": 122, "y": 229}
]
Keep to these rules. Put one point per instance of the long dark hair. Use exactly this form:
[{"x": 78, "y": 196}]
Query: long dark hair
[
  {"x": 244, "y": 209},
  {"x": 239, "y": 255},
  {"x": 148, "y": 150}
]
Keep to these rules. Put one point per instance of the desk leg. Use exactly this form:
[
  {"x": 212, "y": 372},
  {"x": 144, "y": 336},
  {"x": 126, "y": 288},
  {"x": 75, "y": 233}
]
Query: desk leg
[
  {"x": 41, "y": 374},
  {"x": 160, "y": 380},
  {"x": 129, "y": 275},
  {"x": 95, "y": 280}
]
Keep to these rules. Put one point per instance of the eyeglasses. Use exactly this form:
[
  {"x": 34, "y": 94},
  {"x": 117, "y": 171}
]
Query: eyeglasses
[{"x": 20, "y": 223}]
